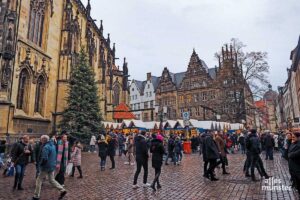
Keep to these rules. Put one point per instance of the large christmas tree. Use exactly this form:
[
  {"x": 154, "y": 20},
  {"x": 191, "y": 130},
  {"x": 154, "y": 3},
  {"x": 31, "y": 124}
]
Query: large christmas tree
[{"x": 82, "y": 117}]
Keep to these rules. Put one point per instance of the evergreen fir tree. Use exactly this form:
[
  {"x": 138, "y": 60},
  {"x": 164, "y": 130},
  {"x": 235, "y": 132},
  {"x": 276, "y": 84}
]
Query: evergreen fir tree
[{"x": 82, "y": 117}]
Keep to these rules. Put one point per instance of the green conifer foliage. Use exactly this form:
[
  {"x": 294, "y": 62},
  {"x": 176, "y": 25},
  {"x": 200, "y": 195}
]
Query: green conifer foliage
[{"x": 82, "y": 117}]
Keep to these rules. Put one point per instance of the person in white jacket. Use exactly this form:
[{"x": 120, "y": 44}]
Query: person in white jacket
[{"x": 92, "y": 144}]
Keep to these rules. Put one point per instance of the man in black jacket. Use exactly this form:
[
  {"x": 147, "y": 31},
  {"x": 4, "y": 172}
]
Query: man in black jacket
[
  {"x": 254, "y": 150},
  {"x": 20, "y": 156},
  {"x": 212, "y": 155},
  {"x": 141, "y": 152},
  {"x": 269, "y": 146}
]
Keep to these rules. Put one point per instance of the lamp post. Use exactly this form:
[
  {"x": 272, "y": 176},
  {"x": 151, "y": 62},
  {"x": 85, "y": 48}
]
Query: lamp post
[{"x": 160, "y": 114}]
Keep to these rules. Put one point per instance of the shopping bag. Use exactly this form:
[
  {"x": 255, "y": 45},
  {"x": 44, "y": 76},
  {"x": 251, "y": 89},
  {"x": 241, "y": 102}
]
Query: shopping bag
[{"x": 69, "y": 168}]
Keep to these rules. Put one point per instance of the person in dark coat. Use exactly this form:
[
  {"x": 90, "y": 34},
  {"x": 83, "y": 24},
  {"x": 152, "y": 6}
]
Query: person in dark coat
[
  {"x": 205, "y": 160},
  {"x": 253, "y": 146},
  {"x": 241, "y": 141},
  {"x": 171, "y": 146},
  {"x": 157, "y": 150},
  {"x": 141, "y": 152},
  {"x": 36, "y": 155},
  {"x": 221, "y": 147},
  {"x": 20, "y": 157},
  {"x": 269, "y": 146},
  {"x": 111, "y": 150},
  {"x": 102, "y": 147},
  {"x": 294, "y": 161},
  {"x": 212, "y": 155},
  {"x": 194, "y": 143}
]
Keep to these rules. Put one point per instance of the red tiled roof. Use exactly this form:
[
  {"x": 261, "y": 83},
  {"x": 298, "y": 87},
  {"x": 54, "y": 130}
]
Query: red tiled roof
[{"x": 124, "y": 114}]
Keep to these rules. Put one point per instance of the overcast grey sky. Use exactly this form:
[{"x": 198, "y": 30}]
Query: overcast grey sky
[{"x": 153, "y": 34}]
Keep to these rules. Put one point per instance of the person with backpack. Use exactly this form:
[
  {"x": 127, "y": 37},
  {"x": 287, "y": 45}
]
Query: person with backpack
[
  {"x": 47, "y": 162},
  {"x": 20, "y": 157},
  {"x": 157, "y": 150},
  {"x": 171, "y": 146},
  {"x": 177, "y": 151}
]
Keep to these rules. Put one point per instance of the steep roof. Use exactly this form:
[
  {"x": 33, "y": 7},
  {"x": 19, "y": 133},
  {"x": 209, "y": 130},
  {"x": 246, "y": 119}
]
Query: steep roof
[
  {"x": 124, "y": 112},
  {"x": 155, "y": 81},
  {"x": 177, "y": 78}
]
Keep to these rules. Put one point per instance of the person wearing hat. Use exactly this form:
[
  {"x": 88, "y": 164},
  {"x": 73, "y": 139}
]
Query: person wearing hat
[
  {"x": 294, "y": 160},
  {"x": 102, "y": 147}
]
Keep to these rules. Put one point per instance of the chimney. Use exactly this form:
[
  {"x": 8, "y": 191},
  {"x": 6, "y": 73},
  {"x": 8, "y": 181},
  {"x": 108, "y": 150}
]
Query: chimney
[{"x": 149, "y": 76}]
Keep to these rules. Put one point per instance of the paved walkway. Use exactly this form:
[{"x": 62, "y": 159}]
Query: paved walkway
[{"x": 178, "y": 182}]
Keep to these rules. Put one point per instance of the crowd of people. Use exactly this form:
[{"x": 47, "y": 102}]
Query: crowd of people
[{"x": 59, "y": 155}]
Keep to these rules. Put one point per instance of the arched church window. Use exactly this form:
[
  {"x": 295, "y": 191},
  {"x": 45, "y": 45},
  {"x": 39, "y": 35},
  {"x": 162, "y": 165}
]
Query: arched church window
[
  {"x": 36, "y": 21},
  {"x": 39, "y": 95},
  {"x": 23, "y": 90}
]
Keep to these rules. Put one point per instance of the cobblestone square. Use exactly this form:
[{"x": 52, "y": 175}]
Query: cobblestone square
[{"x": 178, "y": 182}]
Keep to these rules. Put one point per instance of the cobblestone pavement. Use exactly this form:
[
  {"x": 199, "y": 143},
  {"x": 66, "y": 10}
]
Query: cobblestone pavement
[{"x": 178, "y": 182}]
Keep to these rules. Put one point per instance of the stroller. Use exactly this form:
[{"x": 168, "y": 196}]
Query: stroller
[{"x": 9, "y": 168}]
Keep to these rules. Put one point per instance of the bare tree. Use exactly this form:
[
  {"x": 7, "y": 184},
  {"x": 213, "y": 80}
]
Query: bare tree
[{"x": 255, "y": 69}]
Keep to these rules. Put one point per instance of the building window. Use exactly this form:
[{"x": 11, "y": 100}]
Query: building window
[
  {"x": 39, "y": 95},
  {"x": 204, "y": 96},
  {"x": 195, "y": 97},
  {"x": 197, "y": 111},
  {"x": 36, "y": 22},
  {"x": 138, "y": 106},
  {"x": 146, "y": 105},
  {"x": 151, "y": 104},
  {"x": 181, "y": 111},
  {"x": 146, "y": 117},
  {"x": 225, "y": 108},
  {"x": 23, "y": 90},
  {"x": 150, "y": 94}
]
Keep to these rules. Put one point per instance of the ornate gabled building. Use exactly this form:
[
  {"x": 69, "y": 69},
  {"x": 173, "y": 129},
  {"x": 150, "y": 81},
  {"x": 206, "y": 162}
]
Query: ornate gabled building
[
  {"x": 40, "y": 41},
  {"x": 218, "y": 93}
]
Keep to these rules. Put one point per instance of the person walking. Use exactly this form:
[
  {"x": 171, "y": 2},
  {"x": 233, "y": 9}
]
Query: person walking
[
  {"x": 111, "y": 150},
  {"x": 157, "y": 150},
  {"x": 76, "y": 159},
  {"x": 212, "y": 155},
  {"x": 269, "y": 146},
  {"x": 92, "y": 144},
  {"x": 142, "y": 156},
  {"x": 121, "y": 143},
  {"x": 221, "y": 147},
  {"x": 20, "y": 157},
  {"x": 171, "y": 146},
  {"x": 177, "y": 151},
  {"x": 253, "y": 146},
  {"x": 102, "y": 147},
  {"x": 205, "y": 160},
  {"x": 130, "y": 150},
  {"x": 63, "y": 157},
  {"x": 294, "y": 161},
  {"x": 36, "y": 155},
  {"x": 241, "y": 141},
  {"x": 47, "y": 162},
  {"x": 2, "y": 152}
]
